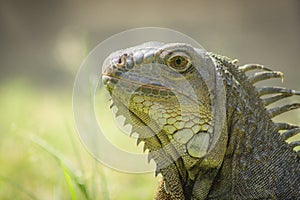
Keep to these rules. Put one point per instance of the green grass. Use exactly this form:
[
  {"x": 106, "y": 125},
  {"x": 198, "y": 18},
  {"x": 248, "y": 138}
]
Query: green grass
[{"x": 42, "y": 157}]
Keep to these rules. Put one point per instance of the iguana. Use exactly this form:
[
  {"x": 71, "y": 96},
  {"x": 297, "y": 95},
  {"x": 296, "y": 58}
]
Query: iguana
[{"x": 172, "y": 96}]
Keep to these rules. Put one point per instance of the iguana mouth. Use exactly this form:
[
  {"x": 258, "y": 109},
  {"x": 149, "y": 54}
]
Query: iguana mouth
[{"x": 110, "y": 81}]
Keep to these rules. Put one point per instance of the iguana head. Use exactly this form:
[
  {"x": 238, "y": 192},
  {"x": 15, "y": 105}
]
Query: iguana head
[{"x": 166, "y": 88}]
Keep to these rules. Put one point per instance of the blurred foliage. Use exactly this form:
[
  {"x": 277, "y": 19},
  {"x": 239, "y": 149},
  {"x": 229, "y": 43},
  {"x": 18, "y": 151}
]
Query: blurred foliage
[{"x": 37, "y": 130}]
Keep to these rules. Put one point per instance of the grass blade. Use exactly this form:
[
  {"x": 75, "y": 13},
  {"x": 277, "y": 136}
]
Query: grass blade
[{"x": 69, "y": 172}]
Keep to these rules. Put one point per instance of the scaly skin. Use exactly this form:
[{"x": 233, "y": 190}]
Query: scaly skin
[{"x": 209, "y": 140}]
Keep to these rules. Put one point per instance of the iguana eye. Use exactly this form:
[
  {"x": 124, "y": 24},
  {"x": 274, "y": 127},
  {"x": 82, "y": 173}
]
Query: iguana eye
[{"x": 179, "y": 62}]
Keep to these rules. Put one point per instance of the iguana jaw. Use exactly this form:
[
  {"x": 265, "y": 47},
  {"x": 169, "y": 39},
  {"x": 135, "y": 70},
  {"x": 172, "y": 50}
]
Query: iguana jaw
[{"x": 154, "y": 139}]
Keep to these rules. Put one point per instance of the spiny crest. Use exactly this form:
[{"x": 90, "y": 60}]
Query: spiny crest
[
  {"x": 270, "y": 95},
  {"x": 274, "y": 94}
]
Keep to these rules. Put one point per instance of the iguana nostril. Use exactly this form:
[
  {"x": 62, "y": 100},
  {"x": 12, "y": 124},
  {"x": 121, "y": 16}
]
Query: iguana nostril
[{"x": 120, "y": 61}]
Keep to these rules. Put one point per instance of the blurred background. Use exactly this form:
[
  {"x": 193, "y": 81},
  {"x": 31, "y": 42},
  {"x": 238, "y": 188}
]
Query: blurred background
[{"x": 42, "y": 44}]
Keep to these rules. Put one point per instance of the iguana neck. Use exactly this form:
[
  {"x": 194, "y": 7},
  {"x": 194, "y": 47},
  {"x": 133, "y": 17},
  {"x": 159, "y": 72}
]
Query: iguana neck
[{"x": 253, "y": 162}]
